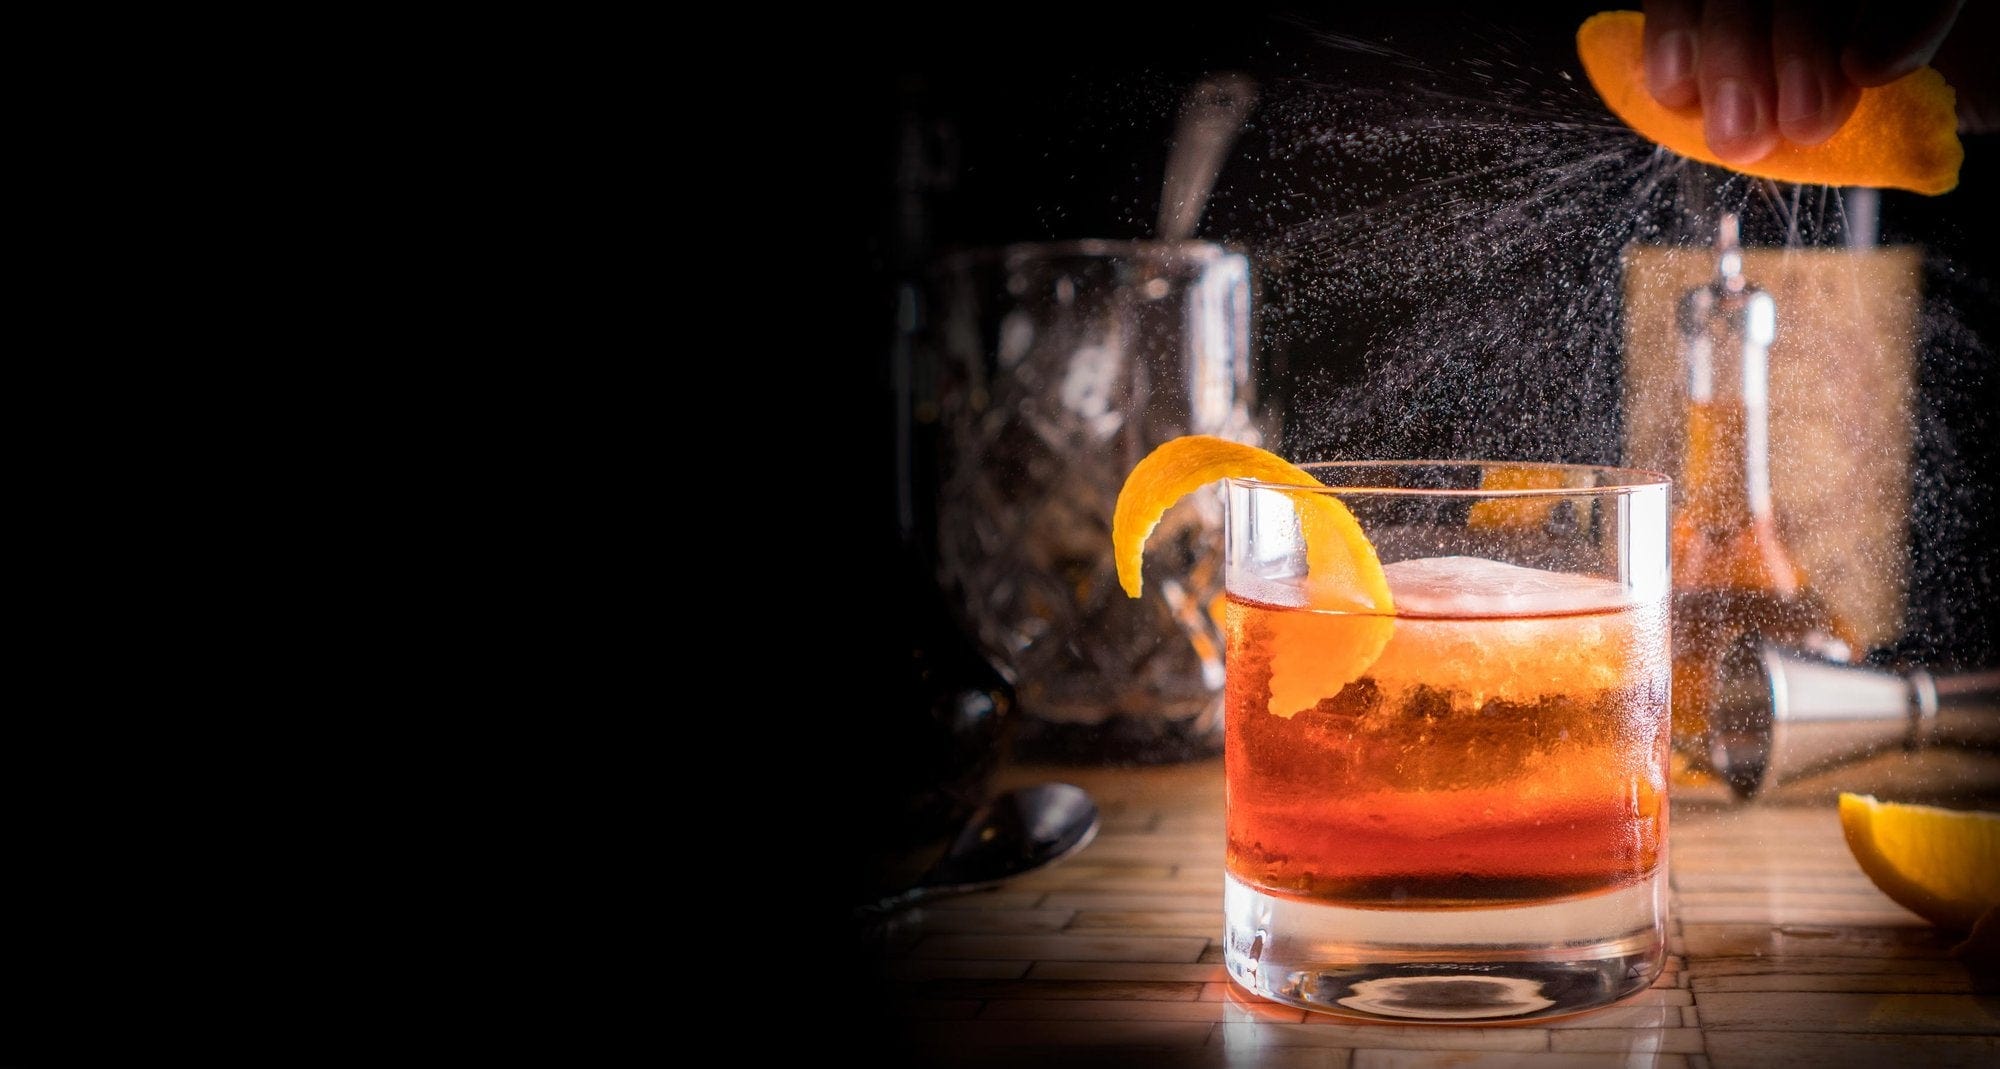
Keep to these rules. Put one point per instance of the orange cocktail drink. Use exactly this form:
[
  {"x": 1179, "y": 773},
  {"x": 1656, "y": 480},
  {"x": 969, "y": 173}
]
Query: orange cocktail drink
[
  {"x": 1447, "y": 728},
  {"x": 1505, "y": 748}
]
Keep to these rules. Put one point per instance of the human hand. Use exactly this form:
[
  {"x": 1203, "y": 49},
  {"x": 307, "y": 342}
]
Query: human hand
[{"x": 1793, "y": 70}]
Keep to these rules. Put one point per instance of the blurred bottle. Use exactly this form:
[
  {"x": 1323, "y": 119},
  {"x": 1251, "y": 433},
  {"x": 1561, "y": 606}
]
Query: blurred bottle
[
  {"x": 939, "y": 717},
  {"x": 1737, "y": 585}
]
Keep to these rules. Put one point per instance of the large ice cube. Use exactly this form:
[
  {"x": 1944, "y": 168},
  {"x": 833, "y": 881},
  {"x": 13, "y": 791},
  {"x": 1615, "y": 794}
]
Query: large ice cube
[
  {"x": 1479, "y": 630},
  {"x": 1475, "y": 586}
]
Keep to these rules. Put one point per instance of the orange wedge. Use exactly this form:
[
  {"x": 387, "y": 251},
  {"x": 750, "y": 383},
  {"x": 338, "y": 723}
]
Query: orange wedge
[
  {"x": 1317, "y": 653},
  {"x": 1941, "y": 864},
  {"x": 1903, "y": 135}
]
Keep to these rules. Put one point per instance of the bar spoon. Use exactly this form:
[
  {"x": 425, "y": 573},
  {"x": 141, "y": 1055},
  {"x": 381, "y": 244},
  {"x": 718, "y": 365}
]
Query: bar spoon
[{"x": 1017, "y": 832}]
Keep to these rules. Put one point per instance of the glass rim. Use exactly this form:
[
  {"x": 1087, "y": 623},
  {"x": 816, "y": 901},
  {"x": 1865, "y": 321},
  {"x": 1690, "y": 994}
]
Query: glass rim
[
  {"x": 1617, "y": 479},
  {"x": 1140, "y": 249}
]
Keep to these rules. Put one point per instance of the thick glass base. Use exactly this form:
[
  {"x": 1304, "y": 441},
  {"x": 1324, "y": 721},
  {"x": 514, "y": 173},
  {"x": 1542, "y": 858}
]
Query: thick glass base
[{"x": 1441, "y": 966}]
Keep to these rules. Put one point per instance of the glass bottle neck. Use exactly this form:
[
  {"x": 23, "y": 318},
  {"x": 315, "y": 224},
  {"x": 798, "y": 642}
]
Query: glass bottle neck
[{"x": 1726, "y": 332}]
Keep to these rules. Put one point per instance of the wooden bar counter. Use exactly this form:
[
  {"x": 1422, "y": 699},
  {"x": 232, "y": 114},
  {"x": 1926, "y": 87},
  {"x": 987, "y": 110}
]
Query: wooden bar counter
[{"x": 1782, "y": 951}]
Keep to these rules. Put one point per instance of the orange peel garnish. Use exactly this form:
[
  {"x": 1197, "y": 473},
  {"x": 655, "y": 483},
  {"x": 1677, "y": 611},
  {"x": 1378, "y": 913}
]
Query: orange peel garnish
[
  {"x": 1903, "y": 135},
  {"x": 1314, "y": 654},
  {"x": 1342, "y": 570}
]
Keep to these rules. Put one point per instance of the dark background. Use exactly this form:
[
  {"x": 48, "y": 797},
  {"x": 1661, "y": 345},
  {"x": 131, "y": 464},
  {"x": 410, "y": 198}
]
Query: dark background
[{"x": 1022, "y": 126}]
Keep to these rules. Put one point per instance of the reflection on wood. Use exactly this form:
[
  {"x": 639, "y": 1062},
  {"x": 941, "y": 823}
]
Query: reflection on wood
[{"x": 1782, "y": 951}]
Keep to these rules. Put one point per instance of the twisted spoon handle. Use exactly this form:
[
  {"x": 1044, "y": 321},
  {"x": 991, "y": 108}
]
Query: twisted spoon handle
[{"x": 1212, "y": 114}]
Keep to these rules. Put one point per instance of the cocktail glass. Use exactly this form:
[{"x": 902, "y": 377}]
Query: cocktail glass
[{"x": 1457, "y": 810}]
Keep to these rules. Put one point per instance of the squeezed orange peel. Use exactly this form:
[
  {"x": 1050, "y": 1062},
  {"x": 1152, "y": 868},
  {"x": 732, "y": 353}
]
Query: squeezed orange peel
[
  {"x": 1941, "y": 864},
  {"x": 1903, "y": 135},
  {"x": 1314, "y": 654}
]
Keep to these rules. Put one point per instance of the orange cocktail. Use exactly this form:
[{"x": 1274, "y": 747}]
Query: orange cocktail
[
  {"x": 1447, "y": 728},
  {"x": 1491, "y": 755}
]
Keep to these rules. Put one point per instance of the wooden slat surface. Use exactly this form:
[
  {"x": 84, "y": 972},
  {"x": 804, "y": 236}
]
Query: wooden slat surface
[{"x": 1782, "y": 951}]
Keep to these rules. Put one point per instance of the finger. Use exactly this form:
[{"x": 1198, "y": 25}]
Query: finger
[
  {"x": 1733, "y": 69},
  {"x": 1891, "y": 38},
  {"x": 1814, "y": 96},
  {"x": 1671, "y": 26}
]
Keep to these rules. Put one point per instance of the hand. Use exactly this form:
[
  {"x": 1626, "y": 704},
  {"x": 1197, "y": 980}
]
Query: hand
[{"x": 1766, "y": 70}]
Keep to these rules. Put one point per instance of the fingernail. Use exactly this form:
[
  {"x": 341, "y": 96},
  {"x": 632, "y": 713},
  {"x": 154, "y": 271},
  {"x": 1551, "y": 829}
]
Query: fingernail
[
  {"x": 1731, "y": 118},
  {"x": 1800, "y": 97},
  {"x": 1670, "y": 68}
]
